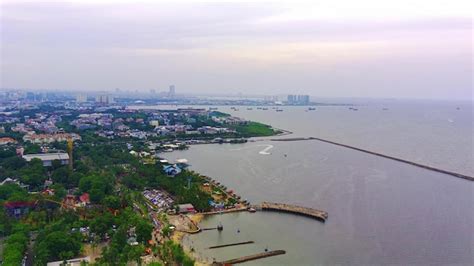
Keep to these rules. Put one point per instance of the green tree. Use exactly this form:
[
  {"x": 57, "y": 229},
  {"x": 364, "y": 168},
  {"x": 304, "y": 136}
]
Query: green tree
[
  {"x": 112, "y": 202},
  {"x": 143, "y": 230}
]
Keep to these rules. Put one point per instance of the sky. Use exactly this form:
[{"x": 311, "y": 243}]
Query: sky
[{"x": 329, "y": 48}]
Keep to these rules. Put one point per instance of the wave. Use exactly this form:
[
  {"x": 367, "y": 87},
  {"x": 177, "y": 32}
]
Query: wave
[{"x": 265, "y": 151}]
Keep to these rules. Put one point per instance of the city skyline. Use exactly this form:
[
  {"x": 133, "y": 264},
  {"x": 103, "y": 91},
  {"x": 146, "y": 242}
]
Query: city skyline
[{"x": 419, "y": 49}]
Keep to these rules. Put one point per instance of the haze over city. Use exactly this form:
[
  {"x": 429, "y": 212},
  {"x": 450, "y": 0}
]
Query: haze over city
[{"x": 402, "y": 49}]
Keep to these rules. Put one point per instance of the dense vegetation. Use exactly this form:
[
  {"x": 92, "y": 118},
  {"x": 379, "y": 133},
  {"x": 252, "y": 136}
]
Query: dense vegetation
[
  {"x": 114, "y": 183},
  {"x": 113, "y": 180},
  {"x": 253, "y": 129}
]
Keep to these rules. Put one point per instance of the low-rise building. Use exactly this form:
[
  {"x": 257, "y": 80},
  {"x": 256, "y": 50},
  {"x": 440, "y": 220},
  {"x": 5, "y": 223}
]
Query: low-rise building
[
  {"x": 186, "y": 208},
  {"x": 71, "y": 262},
  {"x": 7, "y": 140},
  {"x": 49, "y": 138},
  {"x": 48, "y": 158}
]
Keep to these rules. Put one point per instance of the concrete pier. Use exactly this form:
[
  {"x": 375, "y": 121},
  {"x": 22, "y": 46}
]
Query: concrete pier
[
  {"x": 251, "y": 257},
  {"x": 313, "y": 213},
  {"x": 233, "y": 244},
  {"x": 427, "y": 167}
]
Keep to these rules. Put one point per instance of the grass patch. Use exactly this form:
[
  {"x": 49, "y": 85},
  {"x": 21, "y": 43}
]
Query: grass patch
[{"x": 255, "y": 129}]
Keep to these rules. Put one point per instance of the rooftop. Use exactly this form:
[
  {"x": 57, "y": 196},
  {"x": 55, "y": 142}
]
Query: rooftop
[{"x": 46, "y": 156}]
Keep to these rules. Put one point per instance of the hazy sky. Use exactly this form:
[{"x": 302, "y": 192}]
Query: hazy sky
[{"x": 363, "y": 48}]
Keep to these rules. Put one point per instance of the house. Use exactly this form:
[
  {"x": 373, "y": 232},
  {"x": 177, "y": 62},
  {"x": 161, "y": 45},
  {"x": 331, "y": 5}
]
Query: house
[
  {"x": 171, "y": 170},
  {"x": 48, "y": 192},
  {"x": 7, "y": 140},
  {"x": 8, "y": 181},
  {"x": 84, "y": 199},
  {"x": 48, "y": 158},
  {"x": 186, "y": 208},
  {"x": 18, "y": 208}
]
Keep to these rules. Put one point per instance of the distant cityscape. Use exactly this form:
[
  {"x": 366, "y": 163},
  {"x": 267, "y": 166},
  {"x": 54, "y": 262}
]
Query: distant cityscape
[{"x": 128, "y": 97}]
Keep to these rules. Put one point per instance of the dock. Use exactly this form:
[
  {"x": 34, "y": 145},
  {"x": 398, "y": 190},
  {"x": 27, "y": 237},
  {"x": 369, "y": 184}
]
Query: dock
[
  {"x": 233, "y": 244},
  {"x": 310, "y": 212},
  {"x": 225, "y": 211},
  {"x": 252, "y": 257}
]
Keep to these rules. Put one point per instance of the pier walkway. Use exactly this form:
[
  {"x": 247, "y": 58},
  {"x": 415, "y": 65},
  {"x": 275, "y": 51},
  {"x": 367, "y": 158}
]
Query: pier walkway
[
  {"x": 427, "y": 167},
  {"x": 251, "y": 257},
  {"x": 313, "y": 213}
]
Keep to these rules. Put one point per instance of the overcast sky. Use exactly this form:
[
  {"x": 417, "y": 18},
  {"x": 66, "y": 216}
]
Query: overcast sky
[{"x": 330, "y": 48}]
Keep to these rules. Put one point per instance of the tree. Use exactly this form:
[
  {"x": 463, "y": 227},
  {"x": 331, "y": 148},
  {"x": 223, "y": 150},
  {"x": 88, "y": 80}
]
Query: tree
[
  {"x": 59, "y": 191},
  {"x": 57, "y": 245},
  {"x": 112, "y": 202},
  {"x": 15, "y": 246},
  {"x": 55, "y": 164},
  {"x": 13, "y": 163},
  {"x": 32, "y": 148},
  {"x": 101, "y": 224},
  {"x": 143, "y": 230},
  {"x": 9, "y": 190}
]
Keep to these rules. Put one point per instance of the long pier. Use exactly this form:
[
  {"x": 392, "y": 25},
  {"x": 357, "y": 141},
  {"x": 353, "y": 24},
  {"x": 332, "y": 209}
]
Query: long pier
[
  {"x": 233, "y": 244},
  {"x": 427, "y": 167},
  {"x": 252, "y": 257},
  {"x": 313, "y": 213}
]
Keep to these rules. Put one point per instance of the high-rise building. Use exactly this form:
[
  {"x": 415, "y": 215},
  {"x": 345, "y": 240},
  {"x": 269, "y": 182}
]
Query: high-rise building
[
  {"x": 303, "y": 99},
  {"x": 298, "y": 99},
  {"x": 291, "y": 99},
  {"x": 81, "y": 98},
  {"x": 172, "y": 91},
  {"x": 104, "y": 99}
]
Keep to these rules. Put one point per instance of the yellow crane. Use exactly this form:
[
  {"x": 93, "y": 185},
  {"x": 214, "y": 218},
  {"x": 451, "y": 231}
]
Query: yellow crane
[{"x": 70, "y": 147}]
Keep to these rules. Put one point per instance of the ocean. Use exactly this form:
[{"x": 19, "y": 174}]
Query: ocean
[{"x": 380, "y": 211}]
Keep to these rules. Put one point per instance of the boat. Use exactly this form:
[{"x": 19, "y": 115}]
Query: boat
[
  {"x": 264, "y": 108},
  {"x": 311, "y": 108},
  {"x": 249, "y": 108},
  {"x": 251, "y": 209},
  {"x": 279, "y": 110}
]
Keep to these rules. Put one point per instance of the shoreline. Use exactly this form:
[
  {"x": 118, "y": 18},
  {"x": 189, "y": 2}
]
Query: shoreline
[{"x": 179, "y": 237}]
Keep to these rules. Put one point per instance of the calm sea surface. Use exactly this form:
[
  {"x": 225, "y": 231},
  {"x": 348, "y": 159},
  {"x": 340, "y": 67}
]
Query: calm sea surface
[{"x": 380, "y": 211}]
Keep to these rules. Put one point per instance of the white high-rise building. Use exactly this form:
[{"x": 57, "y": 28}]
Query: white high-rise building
[{"x": 171, "y": 92}]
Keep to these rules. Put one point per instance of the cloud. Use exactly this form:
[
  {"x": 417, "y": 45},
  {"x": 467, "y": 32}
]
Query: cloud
[{"x": 260, "y": 44}]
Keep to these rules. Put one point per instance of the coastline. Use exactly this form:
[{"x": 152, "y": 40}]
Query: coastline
[{"x": 179, "y": 237}]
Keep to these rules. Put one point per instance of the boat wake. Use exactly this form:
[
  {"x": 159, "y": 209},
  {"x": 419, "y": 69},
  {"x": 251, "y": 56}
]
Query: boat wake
[{"x": 265, "y": 151}]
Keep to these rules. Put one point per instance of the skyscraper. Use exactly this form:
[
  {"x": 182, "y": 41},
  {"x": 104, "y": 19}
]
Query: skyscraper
[{"x": 171, "y": 92}]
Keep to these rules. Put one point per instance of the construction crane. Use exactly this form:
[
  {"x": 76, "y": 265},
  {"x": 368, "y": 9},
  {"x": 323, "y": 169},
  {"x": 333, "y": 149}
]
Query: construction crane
[
  {"x": 70, "y": 148},
  {"x": 81, "y": 211}
]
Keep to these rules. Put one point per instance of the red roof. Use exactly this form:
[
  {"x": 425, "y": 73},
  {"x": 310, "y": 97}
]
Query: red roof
[{"x": 85, "y": 198}]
